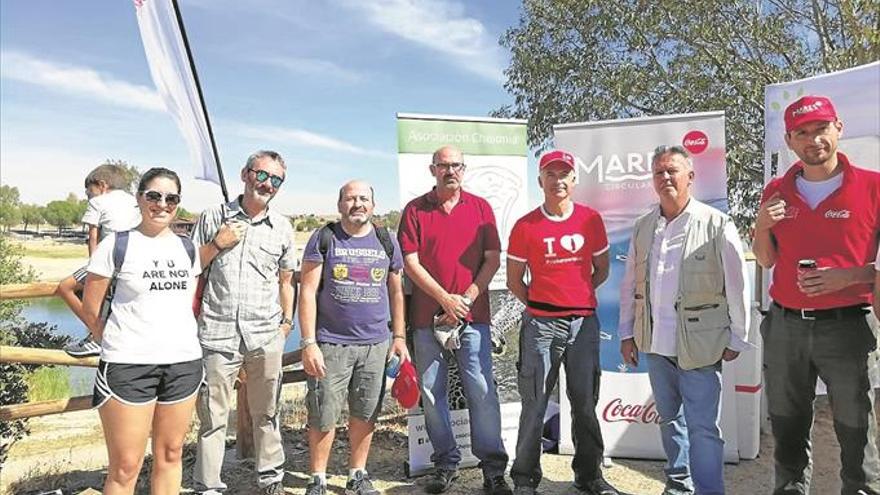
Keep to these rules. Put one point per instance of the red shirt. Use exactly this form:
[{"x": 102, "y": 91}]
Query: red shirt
[
  {"x": 559, "y": 254},
  {"x": 450, "y": 247},
  {"x": 840, "y": 233}
]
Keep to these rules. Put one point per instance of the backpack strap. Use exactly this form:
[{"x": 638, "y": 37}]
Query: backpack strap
[
  {"x": 385, "y": 240},
  {"x": 190, "y": 248},
  {"x": 324, "y": 236},
  {"x": 120, "y": 246}
]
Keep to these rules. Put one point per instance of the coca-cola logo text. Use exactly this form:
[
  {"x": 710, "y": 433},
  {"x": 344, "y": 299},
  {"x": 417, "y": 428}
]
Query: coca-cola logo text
[
  {"x": 616, "y": 411},
  {"x": 695, "y": 142},
  {"x": 837, "y": 214}
]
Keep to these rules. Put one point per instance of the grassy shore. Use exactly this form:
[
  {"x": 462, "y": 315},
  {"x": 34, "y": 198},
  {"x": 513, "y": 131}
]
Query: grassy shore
[
  {"x": 54, "y": 250},
  {"x": 48, "y": 383}
]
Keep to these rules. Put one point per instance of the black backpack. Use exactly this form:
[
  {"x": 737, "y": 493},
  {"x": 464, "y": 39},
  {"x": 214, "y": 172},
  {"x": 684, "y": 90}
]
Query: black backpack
[{"x": 326, "y": 233}]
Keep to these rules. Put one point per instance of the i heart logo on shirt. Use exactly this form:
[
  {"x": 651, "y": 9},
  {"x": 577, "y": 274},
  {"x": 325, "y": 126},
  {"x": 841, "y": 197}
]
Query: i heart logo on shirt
[{"x": 572, "y": 243}]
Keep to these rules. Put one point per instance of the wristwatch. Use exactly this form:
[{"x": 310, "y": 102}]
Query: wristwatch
[
  {"x": 307, "y": 342},
  {"x": 286, "y": 320},
  {"x": 467, "y": 300}
]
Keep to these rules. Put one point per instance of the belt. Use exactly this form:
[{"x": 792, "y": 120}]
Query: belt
[{"x": 843, "y": 313}]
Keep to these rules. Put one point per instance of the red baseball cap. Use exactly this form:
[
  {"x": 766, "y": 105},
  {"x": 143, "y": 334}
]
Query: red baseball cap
[
  {"x": 809, "y": 109},
  {"x": 556, "y": 156},
  {"x": 406, "y": 386}
]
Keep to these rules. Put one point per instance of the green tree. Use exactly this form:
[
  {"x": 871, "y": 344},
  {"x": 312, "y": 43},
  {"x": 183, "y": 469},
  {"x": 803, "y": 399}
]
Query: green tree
[
  {"x": 62, "y": 213},
  {"x": 10, "y": 212},
  {"x": 31, "y": 215},
  {"x": 14, "y": 331},
  {"x": 13, "y": 389},
  {"x": 392, "y": 219},
  {"x": 306, "y": 223},
  {"x": 184, "y": 214},
  {"x": 582, "y": 60}
]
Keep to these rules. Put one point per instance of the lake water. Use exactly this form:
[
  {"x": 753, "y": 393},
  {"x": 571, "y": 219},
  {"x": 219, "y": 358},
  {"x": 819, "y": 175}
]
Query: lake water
[{"x": 53, "y": 311}]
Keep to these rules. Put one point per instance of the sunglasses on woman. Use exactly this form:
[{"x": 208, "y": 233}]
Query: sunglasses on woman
[
  {"x": 262, "y": 176},
  {"x": 171, "y": 199}
]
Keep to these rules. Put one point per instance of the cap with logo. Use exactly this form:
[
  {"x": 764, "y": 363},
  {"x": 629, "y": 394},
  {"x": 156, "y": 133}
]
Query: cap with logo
[
  {"x": 556, "y": 156},
  {"x": 406, "y": 386},
  {"x": 809, "y": 109}
]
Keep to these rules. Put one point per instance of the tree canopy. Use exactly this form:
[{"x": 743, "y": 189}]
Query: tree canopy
[
  {"x": 583, "y": 60},
  {"x": 10, "y": 212},
  {"x": 64, "y": 213}
]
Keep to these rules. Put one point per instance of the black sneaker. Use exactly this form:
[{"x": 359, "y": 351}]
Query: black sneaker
[
  {"x": 441, "y": 480},
  {"x": 274, "y": 489},
  {"x": 597, "y": 487},
  {"x": 315, "y": 487},
  {"x": 84, "y": 348},
  {"x": 496, "y": 485},
  {"x": 360, "y": 485}
]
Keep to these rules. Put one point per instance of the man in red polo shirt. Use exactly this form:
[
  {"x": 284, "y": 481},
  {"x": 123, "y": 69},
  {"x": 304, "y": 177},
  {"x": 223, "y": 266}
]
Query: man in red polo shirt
[
  {"x": 565, "y": 248},
  {"x": 817, "y": 227},
  {"x": 451, "y": 251}
]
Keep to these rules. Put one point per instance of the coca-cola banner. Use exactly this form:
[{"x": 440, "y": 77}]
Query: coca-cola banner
[{"x": 614, "y": 177}]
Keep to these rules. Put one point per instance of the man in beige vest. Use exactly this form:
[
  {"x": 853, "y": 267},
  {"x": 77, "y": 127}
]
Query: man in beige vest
[{"x": 684, "y": 303}]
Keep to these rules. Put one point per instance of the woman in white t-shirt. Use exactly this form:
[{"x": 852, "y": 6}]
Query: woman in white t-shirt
[{"x": 151, "y": 361}]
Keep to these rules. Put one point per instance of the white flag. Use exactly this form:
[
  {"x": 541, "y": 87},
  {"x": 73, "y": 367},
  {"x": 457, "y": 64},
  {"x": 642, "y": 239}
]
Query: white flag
[{"x": 173, "y": 77}]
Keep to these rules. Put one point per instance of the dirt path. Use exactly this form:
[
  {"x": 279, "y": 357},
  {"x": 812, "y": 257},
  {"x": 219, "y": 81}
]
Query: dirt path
[{"x": 67, "y": 452}]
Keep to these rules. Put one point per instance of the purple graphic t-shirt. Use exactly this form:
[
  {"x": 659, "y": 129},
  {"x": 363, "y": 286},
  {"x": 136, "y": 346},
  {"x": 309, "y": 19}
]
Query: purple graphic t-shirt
[{"x": 353, "y": 305}]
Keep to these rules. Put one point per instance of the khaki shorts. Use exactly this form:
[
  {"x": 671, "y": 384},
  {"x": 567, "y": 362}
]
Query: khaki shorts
[{"x": 354, "y": 370}]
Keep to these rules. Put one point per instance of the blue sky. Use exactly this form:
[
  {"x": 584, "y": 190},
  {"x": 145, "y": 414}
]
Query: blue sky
[{"x": 319, "y": 82}]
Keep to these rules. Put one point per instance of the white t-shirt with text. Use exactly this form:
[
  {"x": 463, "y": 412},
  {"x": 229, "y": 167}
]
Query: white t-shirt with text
[{"x": 151, "y": 320}]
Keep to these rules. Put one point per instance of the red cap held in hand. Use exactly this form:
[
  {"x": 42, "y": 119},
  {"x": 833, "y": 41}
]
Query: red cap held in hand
[{"x": 406, "y": 386}]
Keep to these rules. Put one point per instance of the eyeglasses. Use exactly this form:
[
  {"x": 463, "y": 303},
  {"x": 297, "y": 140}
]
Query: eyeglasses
[
  {"x": 454, "y": 166},
  {"x": 262, "y": 176},
  {"x": 171, "y": 199}
]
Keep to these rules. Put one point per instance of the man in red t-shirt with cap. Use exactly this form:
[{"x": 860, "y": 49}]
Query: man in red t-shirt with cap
[
  {"x": 818, "y": 227},
  {"x": 565, "y": 247}
]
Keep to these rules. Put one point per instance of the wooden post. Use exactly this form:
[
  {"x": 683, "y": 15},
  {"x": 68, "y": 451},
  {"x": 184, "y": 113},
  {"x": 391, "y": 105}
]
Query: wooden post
[
  {"x": 27, "y": 291},
  {"x": 30, "y": 355},
  {"x": 244, "y": 436},
  {"x": 31, "y": 409}
]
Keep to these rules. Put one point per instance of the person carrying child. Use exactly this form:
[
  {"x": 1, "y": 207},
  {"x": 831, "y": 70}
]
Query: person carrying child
[{"x": 111, "y": 208}]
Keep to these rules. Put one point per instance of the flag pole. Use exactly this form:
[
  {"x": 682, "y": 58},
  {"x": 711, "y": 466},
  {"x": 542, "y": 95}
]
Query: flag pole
[{"x": 192, "y": 67}]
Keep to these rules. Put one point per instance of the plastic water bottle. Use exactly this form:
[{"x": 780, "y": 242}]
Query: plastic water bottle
[{"x": 392, "y": 367}]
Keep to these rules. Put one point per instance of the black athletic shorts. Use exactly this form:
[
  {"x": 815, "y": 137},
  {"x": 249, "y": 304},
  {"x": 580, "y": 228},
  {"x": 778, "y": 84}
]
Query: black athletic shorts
[{"x": 140, "y": 384}]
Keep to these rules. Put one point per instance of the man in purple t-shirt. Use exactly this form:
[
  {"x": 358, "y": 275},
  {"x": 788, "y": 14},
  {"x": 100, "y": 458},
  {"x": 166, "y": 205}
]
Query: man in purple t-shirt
[{"x": 348, "y": 286}]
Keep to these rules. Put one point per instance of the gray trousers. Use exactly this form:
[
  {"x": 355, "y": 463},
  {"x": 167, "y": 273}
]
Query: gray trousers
[
  {"x": 545, "y": 345},
  {"x": 796, "y": 351},
  {"x": 263, "y": 368}
]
